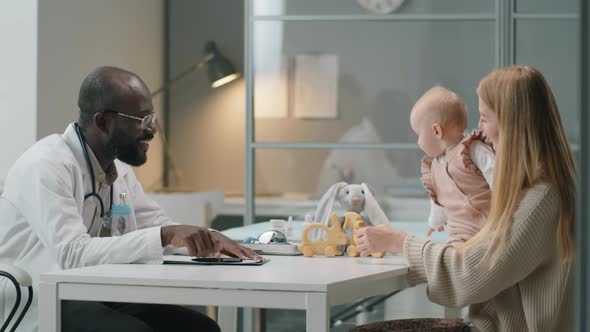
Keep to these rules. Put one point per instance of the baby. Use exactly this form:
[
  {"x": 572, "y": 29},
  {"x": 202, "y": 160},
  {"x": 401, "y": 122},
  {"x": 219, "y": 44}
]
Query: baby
[{"x": 459, "y": 175}]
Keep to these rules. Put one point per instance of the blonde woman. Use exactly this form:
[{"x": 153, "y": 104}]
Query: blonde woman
[{"x": 517, "y": 273}]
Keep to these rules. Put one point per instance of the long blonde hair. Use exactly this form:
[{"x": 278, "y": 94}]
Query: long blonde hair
[{"x": 531, "y": 146}]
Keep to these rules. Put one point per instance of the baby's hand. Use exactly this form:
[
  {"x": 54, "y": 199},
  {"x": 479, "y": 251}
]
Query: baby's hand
[{"x": 430, "y": 230}]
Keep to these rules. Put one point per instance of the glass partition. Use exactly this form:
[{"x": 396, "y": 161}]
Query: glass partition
[
  {"x": 547, "y": 6},
  {"x": 559, "y": 63},
  {"x": 326, "y": 81},
  {"x": 355, "y": 7},
  {"x": 324, "y": 77}
]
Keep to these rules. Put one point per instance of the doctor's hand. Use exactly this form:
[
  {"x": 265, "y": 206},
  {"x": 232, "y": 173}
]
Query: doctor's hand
[
  {"x": 197, "y": 240},
  {"x": 379, "y": 238},
  {"x": 230, "y": 247},
  {"x": 200, "y": 241}
]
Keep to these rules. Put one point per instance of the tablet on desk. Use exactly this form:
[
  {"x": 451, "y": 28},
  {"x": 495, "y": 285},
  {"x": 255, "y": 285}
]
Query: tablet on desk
[
  {"x": 188, "y": 260},
  {"x": 216, "y": 259}
]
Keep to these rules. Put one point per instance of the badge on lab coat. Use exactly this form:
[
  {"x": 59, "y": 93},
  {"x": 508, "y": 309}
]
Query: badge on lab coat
[{"x": 119, "y": 223}]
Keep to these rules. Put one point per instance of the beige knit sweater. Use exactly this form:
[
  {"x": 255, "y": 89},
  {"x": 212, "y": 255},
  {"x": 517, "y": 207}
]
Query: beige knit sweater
[{"x": 528, "y": 288}]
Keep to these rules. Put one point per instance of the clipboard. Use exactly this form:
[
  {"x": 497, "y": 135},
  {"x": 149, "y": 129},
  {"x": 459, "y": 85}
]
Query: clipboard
[{"x": 188, "y": 260}]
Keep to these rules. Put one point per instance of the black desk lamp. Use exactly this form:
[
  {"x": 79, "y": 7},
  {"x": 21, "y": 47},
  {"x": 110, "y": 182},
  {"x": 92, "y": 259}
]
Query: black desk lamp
[{"x": 219, "y": 72}]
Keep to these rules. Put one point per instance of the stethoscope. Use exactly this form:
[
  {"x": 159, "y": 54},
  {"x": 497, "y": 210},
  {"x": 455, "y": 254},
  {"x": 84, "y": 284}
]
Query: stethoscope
[{"x": 104, "y": 220}]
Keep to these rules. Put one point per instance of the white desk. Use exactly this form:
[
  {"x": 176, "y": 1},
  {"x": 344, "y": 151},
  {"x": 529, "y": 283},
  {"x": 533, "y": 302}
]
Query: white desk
[{"x": 311, "y": 284}]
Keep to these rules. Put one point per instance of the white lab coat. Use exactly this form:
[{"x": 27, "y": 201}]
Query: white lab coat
[{"x": 44, "y": 220}]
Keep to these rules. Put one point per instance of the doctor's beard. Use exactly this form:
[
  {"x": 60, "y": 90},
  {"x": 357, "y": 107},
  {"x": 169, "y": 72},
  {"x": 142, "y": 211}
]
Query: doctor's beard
[{"x": 126, "y": 148}]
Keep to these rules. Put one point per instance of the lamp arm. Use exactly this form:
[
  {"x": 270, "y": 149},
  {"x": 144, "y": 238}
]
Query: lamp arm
[
  {"x": 177, "y": 78},
  {"x": 165, "y": 87}
]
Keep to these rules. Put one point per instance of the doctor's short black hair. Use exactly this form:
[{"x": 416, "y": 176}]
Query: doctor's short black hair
[{"x": 101, "y": 90}]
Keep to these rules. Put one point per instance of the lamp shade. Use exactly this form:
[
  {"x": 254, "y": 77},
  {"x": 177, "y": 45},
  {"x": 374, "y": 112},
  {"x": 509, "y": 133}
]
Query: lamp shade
[{"x": 219, "y": 70}]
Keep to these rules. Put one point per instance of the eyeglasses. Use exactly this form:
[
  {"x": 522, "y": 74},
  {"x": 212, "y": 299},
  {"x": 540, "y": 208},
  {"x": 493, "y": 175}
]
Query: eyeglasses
[{"x": 148, "y": 121}]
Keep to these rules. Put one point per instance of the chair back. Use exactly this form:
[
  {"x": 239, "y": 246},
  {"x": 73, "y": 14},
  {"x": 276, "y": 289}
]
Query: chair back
[{"x": 19, "y": 278}]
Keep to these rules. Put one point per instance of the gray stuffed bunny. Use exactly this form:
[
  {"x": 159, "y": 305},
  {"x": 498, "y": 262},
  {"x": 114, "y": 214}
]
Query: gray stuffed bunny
[{"x": 351, "y": 197}]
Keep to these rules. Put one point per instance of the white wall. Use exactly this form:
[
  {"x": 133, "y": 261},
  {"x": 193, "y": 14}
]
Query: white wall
[
  {"x": 76, "y": 36},
  {"x": 18, "y": 89},
  {"x": 48, "y": 47}
]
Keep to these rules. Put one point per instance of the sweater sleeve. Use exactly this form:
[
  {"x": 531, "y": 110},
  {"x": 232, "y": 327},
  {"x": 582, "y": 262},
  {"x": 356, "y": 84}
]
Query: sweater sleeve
[{"x": 457, "y": 277}]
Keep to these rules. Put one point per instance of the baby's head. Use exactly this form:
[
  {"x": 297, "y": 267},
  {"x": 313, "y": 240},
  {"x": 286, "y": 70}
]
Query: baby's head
[{"x": 439, "y": 119}]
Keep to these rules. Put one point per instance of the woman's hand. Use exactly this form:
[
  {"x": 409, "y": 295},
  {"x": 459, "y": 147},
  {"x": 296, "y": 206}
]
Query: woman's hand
[{"x": 379, "y": 238}]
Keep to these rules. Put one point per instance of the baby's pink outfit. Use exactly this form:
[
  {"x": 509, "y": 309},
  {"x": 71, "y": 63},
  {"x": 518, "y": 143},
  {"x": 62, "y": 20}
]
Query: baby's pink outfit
[{"x": 460, "y": 188}]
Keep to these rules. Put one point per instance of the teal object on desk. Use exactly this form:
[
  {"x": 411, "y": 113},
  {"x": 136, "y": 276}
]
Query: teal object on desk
[
  {"x": 248, "y": 239},
  {"x": 253, "y": 231}
]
